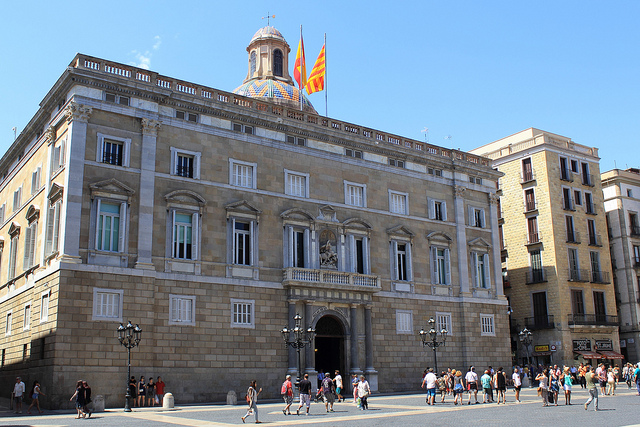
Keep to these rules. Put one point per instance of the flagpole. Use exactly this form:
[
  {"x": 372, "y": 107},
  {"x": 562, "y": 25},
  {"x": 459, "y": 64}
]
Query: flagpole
[
  {"x": 302, "y": 70},
  {"x": 326, "y": 107}
]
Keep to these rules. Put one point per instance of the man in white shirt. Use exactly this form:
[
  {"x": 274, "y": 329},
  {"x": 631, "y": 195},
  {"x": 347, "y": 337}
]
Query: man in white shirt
[
  {"x": 471, "y": 379},
  {"x": 517, "y": 383},
  {"x": 430, "y": 380},
  {"x": 18, "y": 393},
  {"x": 338, "y": 382}
]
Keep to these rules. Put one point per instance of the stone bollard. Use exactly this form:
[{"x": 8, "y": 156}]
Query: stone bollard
[
  {"x": 167, "y": 401},
  {"x": 98, "y": 403},
  {"x": 232, "y": 398}
]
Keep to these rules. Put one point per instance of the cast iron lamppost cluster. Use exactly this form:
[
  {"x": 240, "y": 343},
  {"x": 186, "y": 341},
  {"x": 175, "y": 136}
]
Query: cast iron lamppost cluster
[
  {"x": 301, "y": 339},
  {"x": 526, "y": 338},
  {"x": 430, "y": 339},
  {"x": 129, "y": 336}
]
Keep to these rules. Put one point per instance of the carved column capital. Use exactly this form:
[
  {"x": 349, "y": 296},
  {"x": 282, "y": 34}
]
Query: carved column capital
[
  {"x": 459, "y": 190},
  {"x": 493, "y": 199},
  {"x": 150, "y": 127},
  {"x": 50, "y": 135},
  {"x": 79, "y": 112}
]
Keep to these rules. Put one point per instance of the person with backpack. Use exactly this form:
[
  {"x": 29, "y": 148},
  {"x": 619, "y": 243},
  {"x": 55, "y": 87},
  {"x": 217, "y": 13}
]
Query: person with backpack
[
  {"x": 327, "y": 392},
  {"x": 252, "y": 401},
  {"x": 287, "y": 395}
]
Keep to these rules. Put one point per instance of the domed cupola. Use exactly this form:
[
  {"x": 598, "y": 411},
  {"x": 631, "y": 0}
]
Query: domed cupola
[{"x": 268, "y": 72}]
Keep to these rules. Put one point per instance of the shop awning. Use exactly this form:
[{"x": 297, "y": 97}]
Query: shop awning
[
  {"x": 541, "y": 353},
  {"x": 611, "y": 355},
  {"x": 589, "y": 354}
]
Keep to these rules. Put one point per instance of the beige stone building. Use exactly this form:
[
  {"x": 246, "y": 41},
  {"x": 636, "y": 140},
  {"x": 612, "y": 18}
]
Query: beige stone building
[
  {"x": 621, "y": 189},
  {"x": 210, "y": 218},
  {"x": 555, "y": 256}
]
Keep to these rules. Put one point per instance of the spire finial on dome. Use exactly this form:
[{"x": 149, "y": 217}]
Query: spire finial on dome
[{"x": 268, "y": 17}]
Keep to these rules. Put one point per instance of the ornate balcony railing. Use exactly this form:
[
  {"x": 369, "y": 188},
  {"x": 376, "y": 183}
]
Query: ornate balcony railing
[
  {"x": 600, "y": 277},
  {"x": 330, "y": 277},
  {"x": 578, "y": 275},
  {"x": 536, "y": 275},
  {"x": 592, "y": 319},
  {"x": 539, "y": 322}
]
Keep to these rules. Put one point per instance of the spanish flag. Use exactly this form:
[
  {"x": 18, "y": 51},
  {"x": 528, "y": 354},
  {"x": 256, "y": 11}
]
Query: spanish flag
[
  {"x": 300, "y": 69},
  {"x": 316, "y": 78}
]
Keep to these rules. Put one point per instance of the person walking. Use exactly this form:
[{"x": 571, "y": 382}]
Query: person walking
[
  {"x": 543, "y": 386},
  {"x": 458, "y": 387},
  {"x": 500, "y": 380},
  {"x": 327, "y": 392},
  {"x": 79, "y": 397},
  {"x": 287, "y": 395},
  {"x": 554, "y": 387},
  {"x": 305, "y": 394},
  {"x": 252, "y": 400},
  {"x": 18, "y": 394},
  {"x": 517, "y": 383},
  {"x": 35, "y": 394},
  {"x": 159, "y": 391},
  {"x": 354, "y": 384},
  {"x": 133, "y": 391},
  {"x": 88, "y": 403},
  {"x": 611, "y": 382},
  {"x": 337, "y": 380},
  {"x": 472, "y": 384},
  {"x": 442, "y": 385},
  {"x": 429, "y": 382},
  {"x": 567, "y": 382},
  {"x": 591, "y": 380},
  {"x": 485, "y": 379},
  {"x": 582, "y": 370},
  {"x": 364, "y": 391}
]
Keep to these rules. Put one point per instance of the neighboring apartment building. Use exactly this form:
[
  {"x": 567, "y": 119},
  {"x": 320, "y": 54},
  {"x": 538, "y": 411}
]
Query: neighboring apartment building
[
  {"x": 210, "y": 219},
  {"x": 621, "y": 189},
  {"x": 554, "y": 248}
]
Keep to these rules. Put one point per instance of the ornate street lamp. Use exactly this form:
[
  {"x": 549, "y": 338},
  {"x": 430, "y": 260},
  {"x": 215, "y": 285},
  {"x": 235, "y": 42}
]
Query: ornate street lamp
[
  {"x": 430, "y": 339},
  {"x": 526, "y": 338},
  {"x": 129, "y": 336},
  {"x": 298, "y": 338}
]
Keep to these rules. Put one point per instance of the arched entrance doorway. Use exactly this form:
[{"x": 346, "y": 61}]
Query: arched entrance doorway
[{"x": 329, "y": 342}]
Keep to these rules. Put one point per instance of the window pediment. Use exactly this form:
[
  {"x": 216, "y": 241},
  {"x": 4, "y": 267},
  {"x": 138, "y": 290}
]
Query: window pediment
[
  {"x": 297, "y": 214},
  {"x": 400, "y": 232},
  {"x": 14, "y": 229},
  {"x": 479, "y": 242},
  {"x": 1, "y": 243},
  {"x": 242, "y": 208},
  {"x": 328, "y": 214},
  {"x": 185, "y": 199},
  {"x": 55, "y": 193},
  {"x": 439, "y": 237},
  {"x": 33, "y": 213},
  {"x": 111, "y": 188}
]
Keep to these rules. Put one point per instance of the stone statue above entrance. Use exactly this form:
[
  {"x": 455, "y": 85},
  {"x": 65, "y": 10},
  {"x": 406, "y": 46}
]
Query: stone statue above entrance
[{"x": 328, "y": 255}]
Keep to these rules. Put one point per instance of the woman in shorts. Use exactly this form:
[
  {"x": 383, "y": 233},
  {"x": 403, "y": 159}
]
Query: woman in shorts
[
  {"x": 142, "y": 391},
  {"x": 568, "y": 382},
  {"x": 458, "y": 388}
]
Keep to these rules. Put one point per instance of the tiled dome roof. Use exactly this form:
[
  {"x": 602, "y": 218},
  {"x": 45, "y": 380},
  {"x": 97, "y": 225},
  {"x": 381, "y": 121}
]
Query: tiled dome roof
[
  {"x": 267, "y": 32},
  {"x": 269, "y": 88}
]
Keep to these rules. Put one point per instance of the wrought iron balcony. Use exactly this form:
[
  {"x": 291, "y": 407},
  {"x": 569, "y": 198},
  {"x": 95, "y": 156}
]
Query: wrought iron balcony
[
  {"x": 588, "y": 180},
  {"x": 539, "y": 322},
  {"x": 573, "y": 236},
  {"x": 536, "y": 275},
  {"x": 590, "y": 208},
  {"x": 600, "y": 277},
  {"x": 595, "y": 239},
  {"x": 533, "y": 238},
  {"x": 567, "y": 204},
  {"x": 530, "y": 205},
  {"x": 592, "y": 319},
  {"x": 636, "y": 262},
  {"x": 330, "y": 278},
  {"x": 578, "y": 275},
  {"x": 566, "y": 175},
  {"x": 527, "y": 176},
  {"x": 635, "y": 230}
]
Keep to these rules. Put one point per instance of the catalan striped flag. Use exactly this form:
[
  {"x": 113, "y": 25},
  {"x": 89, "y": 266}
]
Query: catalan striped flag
[
  {"x": 300, "y": 68},
  {"x": 315, "y": 83}
]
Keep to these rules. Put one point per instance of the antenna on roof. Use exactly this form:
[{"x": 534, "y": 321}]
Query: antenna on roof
[
  {"x": 15, "y": 136},
  {"x": 426, "y": 134},
  {"x": 268, "y": 17}
]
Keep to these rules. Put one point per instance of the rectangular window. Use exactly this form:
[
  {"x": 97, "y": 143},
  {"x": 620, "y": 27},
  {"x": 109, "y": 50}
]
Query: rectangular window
[
  {"x": 107, "y": 304},
  {"x": 242, "y": 313},
  {"x": 13, "y": 254},
  {"x": 537, "y": 273},
  {"x": 435, "y": 172},
  {"x": 476, "y": 217},
  {"x": 481, "y": 271},
  {"x": 475, "y": 180},
  {"x": 529, "y": 200},
  {"x": 355, "y": 194},
  {"x": 112, "y": 152},
  {"x": 572, "y": 235},
  {"x": 27, "y": 316},
  {"x": 353, "y": 153},
  {"x": 296, "y": 183},
  {"x": 294, "y": 140},
  {"x": 30, "y": 246},
  {"x": 57, "y": 156},
  {"x": 587, "y": 178},
  {"x": 589, "y": 206},
  {"x": 574, "y": 166},
  {"x": 437, "y": 209},
  {"x": 183, "y": 235},
  {"x": 359, "y": 247},
  {"x": 182, "y": 310},
  {"x": 527, "y": 170},
  {"x": 184, "y": 115},
  {"x": 596, "y": 273},
  {"x": 44, "y": 307},
  {"x": 398, "y": 203},
  {"x": 397, "y": 163},
  {"x": 108, "y": 227},
  {"x": 7, "y": 329},
  {"x": 532, "y": 228},
  {"x": 53, "y": 228},
  {"x": 574, "y": 266},
  {"x": 577, "y": 302},
  {"x": 117, "y": 99},
  {"x": 565, "y": 172},
  {"x": 577, "y": 197},
  {"x": 404, "y": 322},
  {"x": 633, "y": 222},
  {"x": 242, "y": 174},
  {"x": 402, "y": 261},
  {"x": 486, "y": 324},
  {"x": 17, "y": 199},
  {"x": 629, "y": 192},
  {"x": 440, "y": 268},
  {"x": 443, "y": 321},
  {"x": 242, "y": 232},
  {"x": 3, "y": 208},
  {"x": 35, "y": 181},
  {"x": 599, "y": 306},
  {"x": 593, "y": 236},
  {"x": 238, "y": 127},
  {"x": 185, "y": 163}
]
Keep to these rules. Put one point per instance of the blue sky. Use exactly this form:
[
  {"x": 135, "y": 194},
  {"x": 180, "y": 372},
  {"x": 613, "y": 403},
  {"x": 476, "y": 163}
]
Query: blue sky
[{"x": 474, "y": 70}]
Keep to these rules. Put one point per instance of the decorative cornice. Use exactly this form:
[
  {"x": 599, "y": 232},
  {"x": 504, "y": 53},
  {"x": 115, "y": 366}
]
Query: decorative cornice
[
  {"x": 150, "y": 127},
  {"x": 79, "y": 112},
  {"x": 459, "y": 190}
]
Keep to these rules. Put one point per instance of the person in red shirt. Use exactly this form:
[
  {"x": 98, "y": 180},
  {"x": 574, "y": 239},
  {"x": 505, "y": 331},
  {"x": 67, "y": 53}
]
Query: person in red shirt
[
  {"x": 287, "y": 395},
  {"x": 159, "y": 390}
]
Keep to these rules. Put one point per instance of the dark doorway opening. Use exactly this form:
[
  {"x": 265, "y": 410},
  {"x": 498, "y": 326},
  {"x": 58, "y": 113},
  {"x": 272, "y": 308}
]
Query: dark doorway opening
[{"x": 329, "y": 346}]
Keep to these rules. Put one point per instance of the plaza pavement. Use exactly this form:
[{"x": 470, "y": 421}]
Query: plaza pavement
[{"x": 384, "y": 410}]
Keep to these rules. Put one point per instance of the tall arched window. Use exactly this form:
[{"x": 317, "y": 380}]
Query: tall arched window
[
  {"x": 277, "y": 63},
  {"x": 253, "y": 64}
]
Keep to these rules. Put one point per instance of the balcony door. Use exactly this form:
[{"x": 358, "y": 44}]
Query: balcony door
[
  {"x": 599, "y": 306},
  {"x": 540, "y": 314}
]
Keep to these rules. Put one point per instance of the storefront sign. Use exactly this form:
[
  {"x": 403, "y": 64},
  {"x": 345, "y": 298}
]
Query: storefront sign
[
  {"x": 582, "y": 345},
  {"x": 540, "y": 348},
  {"x": 553, "y": 348},
  {"x": 604, "y": 345}
]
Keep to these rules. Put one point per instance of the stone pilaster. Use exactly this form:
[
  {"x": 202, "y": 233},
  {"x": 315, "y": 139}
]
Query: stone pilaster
[
  {"x": 461, "y": 239},
  {"x": 291, "y": 352},
  {"x": 370, "y": 372},
  {"x": 495, "y": 244},
  {"x": 355, "y": 366},
  {"x": 147, "y": 193}
]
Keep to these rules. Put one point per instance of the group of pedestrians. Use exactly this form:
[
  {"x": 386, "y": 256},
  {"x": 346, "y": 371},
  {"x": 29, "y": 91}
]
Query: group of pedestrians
[
  {"x": 146, "y": 393},
  {"x": 18, "y": 393},
  {"x": 82, "y": 397},
  {"x": 453, "y": 382}
]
